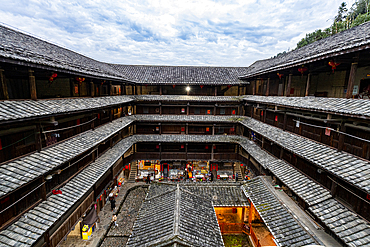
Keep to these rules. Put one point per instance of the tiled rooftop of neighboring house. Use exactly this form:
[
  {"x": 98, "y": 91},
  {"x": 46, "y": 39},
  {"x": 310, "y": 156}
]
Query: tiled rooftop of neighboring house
[
  {"x": 282, "y": 225},
  {"x": 176, "y": 216},
  {"x": 353, "y": 38},
  {"x": 352, "y": 107}
]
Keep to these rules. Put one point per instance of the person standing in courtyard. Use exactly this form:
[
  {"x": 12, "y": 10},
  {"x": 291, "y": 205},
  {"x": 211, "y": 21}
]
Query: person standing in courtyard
[
  {"x": 113, "y": 204},
  {"x": 114, "y": 219}
]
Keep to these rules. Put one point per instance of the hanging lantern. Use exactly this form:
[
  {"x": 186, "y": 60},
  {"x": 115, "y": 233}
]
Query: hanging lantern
[
  {"x": 54, "y": 75},
  {"x": 206, "y": 147},
  {"x": 157, "y": 146},
  {"x": 333, "y": 65},
  {"x": 173, "y": 86},
  {"x": 214, "y": 147},
  {"x": 228, "y": 86},
  {"x": 276, "y": 118},
  {"x": 80, "y": 80},
  {"x": 182, "y": 129},
  {"x": 280, "y": 75},
  {"x": 302, "y": 69},
  {"x": 207, "y": 129},
  {"x": 201, "y": 86}
]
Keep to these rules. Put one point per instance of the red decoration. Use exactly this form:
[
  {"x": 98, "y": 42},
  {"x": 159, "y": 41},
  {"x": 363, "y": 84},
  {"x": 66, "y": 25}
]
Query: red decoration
[
  {"x": 280, "y": 75},
  {"x": 368, "y": 196},
  {"x": 157, "y": 146},
  {"x": 276, "y": 118},
  {"x": 232, "y": 129},
  {"x": 228, "y": 86},
  {"x": 80, "y": 80},
  {"x": 78, "y": 121},
  {"x": 207, "y": 129},
  {"x": 241, "y": 164},
  {"x": 1, "y": 146},
  {"x": 182, "y": 129},
  {"x": 261, "y": 113},
  {"x": 233, "y": 112},
  {"x": 173, "y": 86},
  {"x": 206, "y": 147},
  {"x": 54, "y": 75},
  {"x": 327, "y": 132},
  {"x": 182, "y": 146},
  {"x": 333, "y": 65},
  {"x": 302, "y": 69},
  {"x": 56, "y": 192},
  {"x": 218, "y": 177},
  {"x": 292, "y": 91},
  {"x": 201, "y": 86},
  {"x": 208, "y": 112},
  {"x": 98, "y": 115},
  {"x": 214, "y": 147}
]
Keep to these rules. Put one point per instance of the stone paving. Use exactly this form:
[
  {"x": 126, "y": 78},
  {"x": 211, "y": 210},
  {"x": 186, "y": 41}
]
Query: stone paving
[
  {"x": 118, "y": 236},
  {"x": 105, "y": 216}
]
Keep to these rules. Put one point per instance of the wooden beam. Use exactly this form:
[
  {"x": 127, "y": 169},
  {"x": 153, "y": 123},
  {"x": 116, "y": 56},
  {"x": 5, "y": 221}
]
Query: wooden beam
[
  {"x": 308, "y": 84},
  {"x": 254, "y": 87},
  {"x": 287, "y": 93},
  {"x": 351, "y": 80},
  {"x": 32, "y": 81},
  {"x": 4, "y": 87},
  {"x": 92, "y": 88}
]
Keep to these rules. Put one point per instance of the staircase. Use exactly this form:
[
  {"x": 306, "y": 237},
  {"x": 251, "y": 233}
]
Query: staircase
[
  {"x": 133, "y": 173},
  {"x": 239, "y": 171}
]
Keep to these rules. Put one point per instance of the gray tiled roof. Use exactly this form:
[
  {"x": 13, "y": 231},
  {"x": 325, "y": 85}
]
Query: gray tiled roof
[
  {"x": 22, "y": 109},
  {"x": 25, "y": 48},
  {"x": 186, "y": 98},
  {"x": 176, "y": 216},
  {"x": 188, "y": 75},
  {"x": 311, "y": 192},
  {"x": 221, "y": 194},
  {"x": 346, "y": 166},
  {"x": 282, "y": 225},
  {"x": 357, "y": 107},
  {"x": 18, "y": 172},
  {"x": 350, "y": 228},
  {"x": 338, "y": 43},
  {"x": 30, "y": 227}
]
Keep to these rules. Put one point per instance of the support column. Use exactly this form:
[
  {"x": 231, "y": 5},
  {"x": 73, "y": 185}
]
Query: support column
[
  {"x": 160, "y": 90},
  {"x": 32, "y": 81},
  {"x": 308, "y": 84},
  {"x": 351, "y": 80},
  {"x": 268, "y": 87},
  {"x": 92, "y": 89},
  {"x": 254, "y": 87},
  {"x": 38, "y": 137},
  {"x": 287, "y": 93},
  {"x": 341, "y": 137},
  {"x": 4, "y": 87},
  {"x": 215, "y": 90},
  {"x": 110, "y": 89},
  {"x": 285, "y": 121}
]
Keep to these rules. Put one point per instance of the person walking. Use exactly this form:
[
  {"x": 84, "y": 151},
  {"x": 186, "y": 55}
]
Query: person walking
[
  {"x": 113, "y": 204},
  {"x": 114, "y": 219}
]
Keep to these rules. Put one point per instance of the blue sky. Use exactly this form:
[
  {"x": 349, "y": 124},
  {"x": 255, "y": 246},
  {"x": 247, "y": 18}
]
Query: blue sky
[{"x": 171, "y": 32}]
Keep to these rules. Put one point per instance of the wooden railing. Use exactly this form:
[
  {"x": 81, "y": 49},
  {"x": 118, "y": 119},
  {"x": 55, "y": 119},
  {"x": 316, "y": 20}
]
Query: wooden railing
[{"x": 256, "y": 241}]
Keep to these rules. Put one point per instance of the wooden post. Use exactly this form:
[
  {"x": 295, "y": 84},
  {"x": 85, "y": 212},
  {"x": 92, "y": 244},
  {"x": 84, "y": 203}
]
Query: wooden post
[
  {"x": 263, "y": 143},
  {"x": 254, "y": 87},
  {"x": 351, "y": 80},
  {"x": 92, "y": 89},
  {"x": 123, "y": 86},
  {"x": 212, "y": 153},
  {"x": 214, "y": 110},
  {"x": 187, "y": 129},
  {"x": 281, "y": 152},
  {"x": 110, "y": 89},
  {"x": 38, "y": 137},
  {"x": 285, "y": 121},
  {"x": 4, "y": 87},
  {"x": 213, "y": 129},
  {"x": 268, "y": 87},
  {"x": 308, "y": 84},
  {"x": 43, "y": 189},
  {"x": 160, "y": 90},
  {"x": 238, "y": 90},
  {"x": 341, "y": 137},
  {"x": 287, "y": 93},
  {"x": 32, "y": 81},
  {"x": 215, "y": 90},
  {"x": 333, "y": 189}
]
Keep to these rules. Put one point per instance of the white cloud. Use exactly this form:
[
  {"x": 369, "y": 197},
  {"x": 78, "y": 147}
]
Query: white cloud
[{"x": 171, "y": 32}]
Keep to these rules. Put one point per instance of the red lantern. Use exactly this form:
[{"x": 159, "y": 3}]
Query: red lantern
[
  {"x": 302, "y": 69},
  {"x": 80, "y": 79},
  {"x": 78, "y": 121},
  {"x": 233, "y": 112},
  {"x": 157, "y": 146},
  {"x": 182, "y": 146},
  {"x": 280, "y": 75},
  {"x": 206, "y": 147},
  {"x": 173, "y": 86},
  {"x": 276, "y": 118},
  {"x": 182, "y": 129},
  {"x": 261, "y": 113},
  {"x": 218, "y": 177},
  {"x": 228, "y": 86},
  {"x": 54, "y": 75},
  {"x": 207, "y": 129},
  {"x": 201, "y": 86},
  {"x": 214, "y": 147},
  {"x": 333, "y": 65}
]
